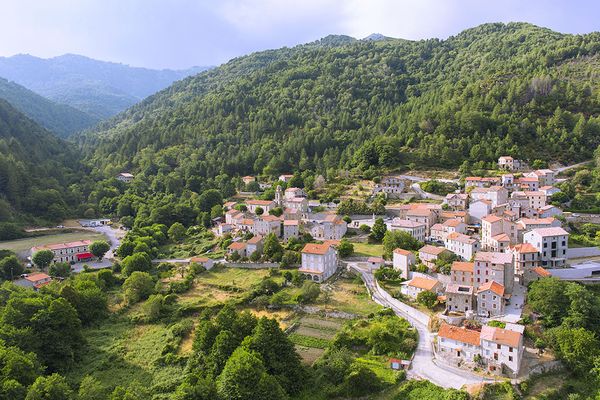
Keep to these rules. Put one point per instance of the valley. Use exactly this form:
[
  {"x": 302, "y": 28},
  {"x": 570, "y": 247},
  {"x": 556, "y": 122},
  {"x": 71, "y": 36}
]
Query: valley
[{"x": 347, "y": 218}]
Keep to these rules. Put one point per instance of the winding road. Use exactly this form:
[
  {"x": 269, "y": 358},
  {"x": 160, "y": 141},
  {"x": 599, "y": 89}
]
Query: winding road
[{"x": 424, "y": 364}]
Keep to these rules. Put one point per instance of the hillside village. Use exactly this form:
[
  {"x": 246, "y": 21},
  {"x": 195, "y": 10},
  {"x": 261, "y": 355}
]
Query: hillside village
[{"x": 496, "y": 235}]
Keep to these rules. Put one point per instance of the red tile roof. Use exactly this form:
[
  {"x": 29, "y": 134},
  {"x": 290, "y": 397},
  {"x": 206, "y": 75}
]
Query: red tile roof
[
  {"x": 462, "y": 266},
  {"x": 459, "y": 334},
  {"x": 494, "y": 286},
  {"x": 500, "y": 336},
  {"x": 423, "y": 283},
  {"x": 314, "y": 248}
]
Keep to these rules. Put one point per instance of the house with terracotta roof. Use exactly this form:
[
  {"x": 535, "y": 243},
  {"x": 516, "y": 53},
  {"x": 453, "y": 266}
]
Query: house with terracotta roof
[
  {"x": 237, "y": 247},
  {"x": 528, "y": 183},
  {"x": 525, "y": 258},
  {"x": 462, "y": 245},
  {"x": 375, "y": 262},
  {"x": 34, "y": 280},
  {"x": 461, "y": 273},
  {"x": 497, "y": 233},
  {"x": 428, "y": 254},
  {"x": 459, "y": 298},
  {"x": 285, "y": 177},
  {"x": 420, "y": 284},
  {"x": 426, "y": 216},
  {"x": 490, "y": 299},
  {"x": 458, "y": 343},
  {"x": 494, "y": 266},
  {"x": 319, "y": 261},
  {"x": 254, "y": 244},
  {"x": 546, "y": 177},
  {"x": 538, "y": 273},
  {"x": 502, "y": 348},
  {"x": 71, "y": 252},
  {"x": 552, "y": 243},
  {"x": 402, "y": 261}
]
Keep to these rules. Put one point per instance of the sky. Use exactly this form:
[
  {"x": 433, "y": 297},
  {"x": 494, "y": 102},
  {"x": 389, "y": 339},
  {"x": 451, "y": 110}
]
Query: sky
[{"x": 179, "y": 34}]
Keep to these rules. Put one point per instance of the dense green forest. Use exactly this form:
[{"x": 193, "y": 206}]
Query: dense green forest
[
  {"x": 58, "y": 118},
  {"x": 341, "y": 104},
  {"x": 36, "y": 171}
]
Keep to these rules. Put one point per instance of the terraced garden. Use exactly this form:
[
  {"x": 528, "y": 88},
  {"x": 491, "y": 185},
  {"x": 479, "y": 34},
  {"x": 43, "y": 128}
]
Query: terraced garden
[{"x": 312, "y": 335}]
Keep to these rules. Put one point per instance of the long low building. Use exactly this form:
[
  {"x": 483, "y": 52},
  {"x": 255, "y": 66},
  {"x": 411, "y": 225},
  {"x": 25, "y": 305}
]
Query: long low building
[{"x": 67, "y": 252}]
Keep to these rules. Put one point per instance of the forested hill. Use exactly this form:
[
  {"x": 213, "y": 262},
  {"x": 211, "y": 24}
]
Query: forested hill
[
  {"x": 341, "y": 103},
  {"x": 98, "y": 88},
  {"x": 36, "y": 169},
  {"x": 58, "y": 118}
]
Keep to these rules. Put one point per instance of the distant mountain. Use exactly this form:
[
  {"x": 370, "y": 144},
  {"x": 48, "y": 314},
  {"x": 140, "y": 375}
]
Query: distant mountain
[
  {"x": 376, "y": 36},
  {"x": 59, "y": 118},
  {"x": 37, "y": 170},
  {"x": 98, "y": 88}
]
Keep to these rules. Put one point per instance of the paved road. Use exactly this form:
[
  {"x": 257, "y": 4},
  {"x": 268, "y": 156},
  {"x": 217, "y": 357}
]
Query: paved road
[
  {"x": 114, "y": 237},
  {"x": 424, "y": 365},
  {"x": 425, "y": 195},
  {"x": 561, "y": 169}
]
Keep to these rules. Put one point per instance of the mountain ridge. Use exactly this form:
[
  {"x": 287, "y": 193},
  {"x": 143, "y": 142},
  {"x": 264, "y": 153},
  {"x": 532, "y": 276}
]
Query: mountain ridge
[{"x": 99, "y": 88}]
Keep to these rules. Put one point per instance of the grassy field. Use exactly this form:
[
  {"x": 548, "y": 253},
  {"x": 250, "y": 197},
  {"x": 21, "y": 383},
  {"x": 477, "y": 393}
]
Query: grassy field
[
  {"x": 119, "y": 353},
  {"x": 351, "y": 296},
  {"x": 368, "y": 249},
  {"x": 22, "y": 245}
]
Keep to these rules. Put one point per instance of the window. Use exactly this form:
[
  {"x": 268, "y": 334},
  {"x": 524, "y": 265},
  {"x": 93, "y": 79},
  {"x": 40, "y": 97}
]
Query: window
[
  {"x": 510, "y": 358},
  {"x": 498, "y": 346},
  {"x": 510, "y": 349}
]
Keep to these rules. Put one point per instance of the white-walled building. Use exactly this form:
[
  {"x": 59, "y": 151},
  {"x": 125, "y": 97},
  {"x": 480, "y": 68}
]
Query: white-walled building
[
  {"x": 462, "y": 245},
  {"x": 319, "y": 261},
  {"x": 479, "y": 209},
  {"x": 420, "y": 284},
  {"x": 457, "y": 201},
  {"x": 526, "y": 259},
  {"x": 266, "y": 205},
  {"x": 499, "y": 349},
  {"x": 510, "y": 164},
  {"x": 490, "y": 299},
  {"x": 71, "y": 252},
  {"x": 414, "y": 229},
  {"x": 502, "y": 347},
  {"x": 495, "y": 194},
  {"x": 403, "y": 260},
  {"x": 125, "y": 177},
  {"x": 428, "y": 254},
  {"x": 291, "y": 228},
  {"x": 391, "y": 186},
  {"x": 552, "y": 243}
]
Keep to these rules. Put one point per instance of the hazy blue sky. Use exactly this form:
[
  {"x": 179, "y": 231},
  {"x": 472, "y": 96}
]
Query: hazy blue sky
[{"x": 182, "y": 33}]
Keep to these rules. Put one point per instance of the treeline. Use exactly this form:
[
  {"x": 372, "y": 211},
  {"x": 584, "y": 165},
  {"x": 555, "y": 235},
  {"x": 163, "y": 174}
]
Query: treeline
[
  {"x": 346, "y": 107},
  {"x": 41, "y": 334},
  {"x": 570, "y": 316},
  {"x": 36, "y": 173}
]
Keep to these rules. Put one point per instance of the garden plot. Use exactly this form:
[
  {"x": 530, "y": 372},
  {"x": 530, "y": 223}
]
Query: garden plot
[{"x": 312, "y": 335}]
